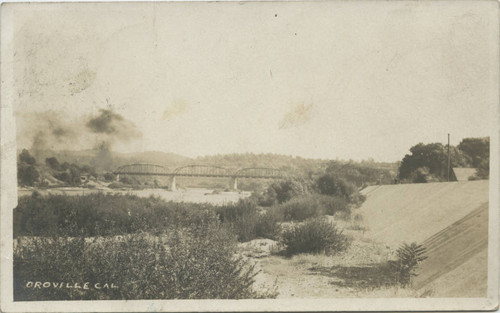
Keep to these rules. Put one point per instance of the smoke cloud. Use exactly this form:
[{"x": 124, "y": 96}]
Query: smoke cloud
[
  {"x": 45, "y": 131},
  {"x": 48, "y": 130},
  {"x": 110, "y": 128},
  {"x": 114, "y": 126}
]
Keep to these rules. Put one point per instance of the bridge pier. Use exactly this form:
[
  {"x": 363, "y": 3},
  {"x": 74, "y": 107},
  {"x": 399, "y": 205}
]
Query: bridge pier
[
  {"x": 233, "y": 183},
  {"x": 173, "y": 186},
  {"x": 118, "y": 177}
]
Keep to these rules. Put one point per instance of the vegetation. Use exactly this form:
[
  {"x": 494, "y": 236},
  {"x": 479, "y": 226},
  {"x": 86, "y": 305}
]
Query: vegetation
[
  {"x": 429, "y": 162},
  {"x": 409, "y": 258},
  {"x": 195, "y": 262},
  {"x": 248, "y": 222},
  {"x": 99, "y": 214},
  {"x": 316, "y": 235},
  {"x": 282, "y": 191},
  {"x": 27, "y": 173},
  {"x": 302, "y": 208}
]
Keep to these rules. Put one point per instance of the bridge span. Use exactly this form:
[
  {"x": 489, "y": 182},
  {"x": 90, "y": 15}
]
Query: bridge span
[{"x": 200, "y": 170}]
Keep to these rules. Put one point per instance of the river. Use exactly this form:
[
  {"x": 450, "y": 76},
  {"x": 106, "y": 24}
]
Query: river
[{"x": 196, "y": 195}]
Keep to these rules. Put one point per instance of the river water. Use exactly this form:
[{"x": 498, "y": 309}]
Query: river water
[{"x": 196, "y": 195}]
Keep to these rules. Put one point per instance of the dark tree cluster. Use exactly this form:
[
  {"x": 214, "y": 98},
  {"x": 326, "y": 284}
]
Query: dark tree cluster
[
  {"x": 27, "y": 173},
  {"x": 69, "y": 173},
  {"x": 429, "y": 162}
]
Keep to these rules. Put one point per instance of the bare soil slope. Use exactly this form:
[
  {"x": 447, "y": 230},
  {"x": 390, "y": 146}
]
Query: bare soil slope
[
  {"x": 457, "y": 258},
  {"x": 449, "y": 219},
  {"x": 414, "y": 212}
]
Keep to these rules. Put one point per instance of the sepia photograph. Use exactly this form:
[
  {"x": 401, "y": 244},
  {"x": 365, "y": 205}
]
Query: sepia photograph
[{"x": 291, "y": 155}]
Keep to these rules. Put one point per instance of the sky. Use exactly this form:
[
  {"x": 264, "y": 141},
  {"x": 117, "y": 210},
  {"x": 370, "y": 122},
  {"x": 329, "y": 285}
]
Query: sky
[{"x": 331, "y": 80}]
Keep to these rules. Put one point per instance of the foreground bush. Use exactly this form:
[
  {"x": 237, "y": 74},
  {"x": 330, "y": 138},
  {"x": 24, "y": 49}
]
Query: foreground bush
[
  {"x": 409, "y": 258},
  {"x": 190, "y": 263},
  {"x": 316, "y": 235}
]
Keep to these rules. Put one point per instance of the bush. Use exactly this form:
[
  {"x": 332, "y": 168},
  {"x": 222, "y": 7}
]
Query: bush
[
  {"x": 247, "y": 222},
  {"x": 281, "y": 191},
  {"x": 195, "y": 262},
  {"x": 302, "y": 208},
  {"x": 268, "y": 224},
  {"x": 409, "y": 258},
  {"x": 314, "y": 236},
  {"x": 299, "y": 209}
]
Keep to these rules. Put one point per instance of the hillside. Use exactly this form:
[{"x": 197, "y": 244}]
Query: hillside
[{"x": 86, "y": 157}]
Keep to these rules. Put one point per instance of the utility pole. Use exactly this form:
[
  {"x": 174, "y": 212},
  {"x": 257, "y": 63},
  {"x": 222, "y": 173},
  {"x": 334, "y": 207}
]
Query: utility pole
[{"x": 449, "y": 158}]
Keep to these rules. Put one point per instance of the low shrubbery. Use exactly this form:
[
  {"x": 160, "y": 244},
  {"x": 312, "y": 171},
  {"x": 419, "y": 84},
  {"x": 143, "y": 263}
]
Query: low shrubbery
[
  {"x": 316, "y": 235},
  {"x": 99, "y": 214},
  {"x": 302, "y": 208},
  {"x": 195, "y": 262},
  {"x": 248, "y": 222}
]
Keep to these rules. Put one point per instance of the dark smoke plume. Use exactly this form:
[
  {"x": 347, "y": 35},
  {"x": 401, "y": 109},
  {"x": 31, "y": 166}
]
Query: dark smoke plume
[
  {"x": 114, "y": 125},
  {"x": 110, "y": 128}
]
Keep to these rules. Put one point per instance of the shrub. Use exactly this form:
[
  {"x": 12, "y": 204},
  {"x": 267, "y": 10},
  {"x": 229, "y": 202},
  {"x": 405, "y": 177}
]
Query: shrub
[
  {"x": 409, "y": 258},
  {"x": 247, "y": 222},
  {"x": 314, "y": 236},
  {"x": 302, "y": 208},
  {"x": 282, "y": 191},
  {"x": 195, "y": 262},
  {"x": 268, "y": 224},
  {"x": 335, "y": 205}
]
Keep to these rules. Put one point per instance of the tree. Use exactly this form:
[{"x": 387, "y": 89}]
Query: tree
[
  {"x": 282, "y": 191},
  {"x": 108, "y": 176},
  {"x": 330, "y": 185},
  {"x": 27, "y": 175},
  {"x": 431, "y": 160},
  {"x": 478, "y": 150},
  {"x": 53, "y": 163},
  {"x": 483, "y": 170},
  {"x": 26, "y": 157}
]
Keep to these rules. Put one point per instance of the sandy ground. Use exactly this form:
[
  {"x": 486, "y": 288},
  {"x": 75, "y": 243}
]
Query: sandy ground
[{"x": 321, "y": 276}]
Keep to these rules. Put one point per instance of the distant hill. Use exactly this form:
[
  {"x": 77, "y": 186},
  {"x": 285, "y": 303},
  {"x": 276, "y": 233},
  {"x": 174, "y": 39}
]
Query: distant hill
[
  {"x": 86, "y": 157},
  {"x": 153, "y": 157}
]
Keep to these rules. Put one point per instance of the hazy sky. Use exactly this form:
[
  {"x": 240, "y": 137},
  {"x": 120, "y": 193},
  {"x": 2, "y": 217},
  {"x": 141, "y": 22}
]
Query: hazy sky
[{"x": 349, "y": 80}]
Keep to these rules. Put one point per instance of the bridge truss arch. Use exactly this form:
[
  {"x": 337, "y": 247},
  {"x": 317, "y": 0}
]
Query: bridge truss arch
[
  {"x": 201, "y": 170},
  {"x": 260, "y": 172}
]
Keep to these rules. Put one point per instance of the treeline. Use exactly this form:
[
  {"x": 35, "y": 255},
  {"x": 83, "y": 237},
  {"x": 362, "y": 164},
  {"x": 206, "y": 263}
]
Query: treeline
[
  {"x": 53, "y": 172},
  {"x": 31, "y": 173},
  {"x": 429, "y": 162}
]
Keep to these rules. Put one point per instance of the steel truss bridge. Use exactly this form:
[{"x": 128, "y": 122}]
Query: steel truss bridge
[{"x": 200, "y": 170}]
